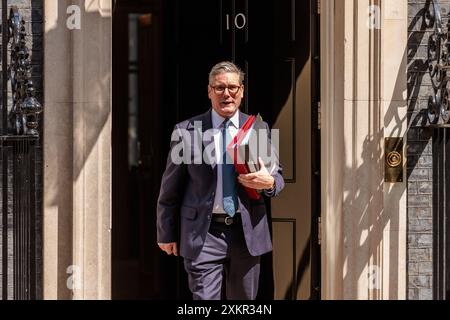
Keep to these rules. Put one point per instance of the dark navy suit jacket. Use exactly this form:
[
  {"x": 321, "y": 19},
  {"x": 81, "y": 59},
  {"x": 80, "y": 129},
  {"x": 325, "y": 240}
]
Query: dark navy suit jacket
[{"x": 187, "y": 197}]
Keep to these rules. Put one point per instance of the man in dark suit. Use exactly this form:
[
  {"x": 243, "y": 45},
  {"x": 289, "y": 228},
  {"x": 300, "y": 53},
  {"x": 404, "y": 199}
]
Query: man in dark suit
[{"x": 223, "y": 232}]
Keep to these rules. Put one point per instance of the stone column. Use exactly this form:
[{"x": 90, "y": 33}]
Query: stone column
[
  {"x": 363, "y": 101},
  {"x": 77, "y": 150}
]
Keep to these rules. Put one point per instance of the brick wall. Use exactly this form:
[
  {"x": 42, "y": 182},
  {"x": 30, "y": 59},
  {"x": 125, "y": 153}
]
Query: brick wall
[{"x": 419, "y": 152}]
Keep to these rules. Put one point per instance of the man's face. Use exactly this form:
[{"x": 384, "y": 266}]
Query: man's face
[{"x": 226, "y": 94}]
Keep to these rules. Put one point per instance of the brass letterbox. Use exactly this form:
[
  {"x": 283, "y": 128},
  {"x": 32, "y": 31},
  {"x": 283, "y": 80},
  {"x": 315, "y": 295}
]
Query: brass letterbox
[{"x": 393, "y": 160}]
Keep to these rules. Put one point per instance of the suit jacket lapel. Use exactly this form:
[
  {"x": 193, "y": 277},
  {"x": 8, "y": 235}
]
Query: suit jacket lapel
[
  {"x": 207, "y": 125},
  {"x": 242, "y": 118}
]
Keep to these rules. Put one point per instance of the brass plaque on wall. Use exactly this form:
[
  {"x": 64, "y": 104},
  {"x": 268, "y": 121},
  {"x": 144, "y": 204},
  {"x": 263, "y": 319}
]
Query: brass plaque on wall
[{"x": 393, "y": 160}]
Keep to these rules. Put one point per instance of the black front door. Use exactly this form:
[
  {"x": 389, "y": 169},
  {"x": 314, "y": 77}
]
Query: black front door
[{"x": 178, "y": 42}]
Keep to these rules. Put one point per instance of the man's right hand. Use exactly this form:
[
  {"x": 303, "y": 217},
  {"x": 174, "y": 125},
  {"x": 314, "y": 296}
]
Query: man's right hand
[{"x": 169, "y": 248}]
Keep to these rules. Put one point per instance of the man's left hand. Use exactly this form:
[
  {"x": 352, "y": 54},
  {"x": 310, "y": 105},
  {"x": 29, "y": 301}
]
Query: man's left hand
[{"x": 260, "y": 180}]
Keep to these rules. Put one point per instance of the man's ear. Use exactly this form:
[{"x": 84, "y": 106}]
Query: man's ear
[{"x": 209, "y": 91}]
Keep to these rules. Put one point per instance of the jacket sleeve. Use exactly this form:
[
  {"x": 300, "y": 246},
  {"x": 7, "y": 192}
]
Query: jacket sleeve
[
  {"x": 170, "y": 196},
  {"x": 277, "y": 175}
]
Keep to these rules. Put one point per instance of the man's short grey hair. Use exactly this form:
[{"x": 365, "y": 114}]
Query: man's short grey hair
[{"x": 226, "y": 67}]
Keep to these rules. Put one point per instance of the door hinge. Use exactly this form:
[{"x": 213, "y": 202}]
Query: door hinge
[
  {"x": 319, "y": 116},
  {"x": 319, "y": 231}
]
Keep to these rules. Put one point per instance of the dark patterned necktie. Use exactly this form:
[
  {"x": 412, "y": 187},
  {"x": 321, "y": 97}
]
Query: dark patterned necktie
[{"x": 228, "y": 174}]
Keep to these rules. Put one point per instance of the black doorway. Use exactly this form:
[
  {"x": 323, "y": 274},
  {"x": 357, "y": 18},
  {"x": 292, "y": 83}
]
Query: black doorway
[{"x": 162, "y": 53}]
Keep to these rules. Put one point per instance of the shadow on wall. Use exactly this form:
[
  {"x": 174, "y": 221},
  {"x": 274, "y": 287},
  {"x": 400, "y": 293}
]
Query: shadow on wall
[
  {"x": 371, "y": 241},
  {"x": 368, "y": 219},
  {"x": 420, "y": 154},
  {"x": 365, "y": 218},
  {"x": 78, "y": 108},
  {"x": 417, "y": 70}
]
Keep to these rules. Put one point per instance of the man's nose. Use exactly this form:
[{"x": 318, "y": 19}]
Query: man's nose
[{"x": 226, "y": 92}]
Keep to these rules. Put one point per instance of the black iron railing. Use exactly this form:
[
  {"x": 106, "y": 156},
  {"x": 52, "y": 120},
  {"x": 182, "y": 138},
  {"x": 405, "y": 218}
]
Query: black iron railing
[
  {"x": 441, "y": 214},
  {"x": 438, "y": 64},
  {"x": 439, "y": 120},
  {"x": 19, "y": 137}
]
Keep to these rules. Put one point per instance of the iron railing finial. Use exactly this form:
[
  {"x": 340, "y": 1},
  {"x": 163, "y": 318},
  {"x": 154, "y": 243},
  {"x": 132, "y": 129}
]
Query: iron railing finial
[{"x": 25, "y": 107}]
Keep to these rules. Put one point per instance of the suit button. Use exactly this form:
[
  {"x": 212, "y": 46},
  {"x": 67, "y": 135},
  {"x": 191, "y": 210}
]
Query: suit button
[{"x": 209, "y": 217}]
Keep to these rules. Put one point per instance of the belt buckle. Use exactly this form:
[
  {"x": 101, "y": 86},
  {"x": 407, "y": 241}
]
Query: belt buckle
[{"x": 228, "y": 221}]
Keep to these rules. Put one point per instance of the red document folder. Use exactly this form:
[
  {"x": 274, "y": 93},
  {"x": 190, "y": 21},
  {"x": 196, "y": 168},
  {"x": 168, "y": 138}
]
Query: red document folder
[{"x": 240, "y": 155}]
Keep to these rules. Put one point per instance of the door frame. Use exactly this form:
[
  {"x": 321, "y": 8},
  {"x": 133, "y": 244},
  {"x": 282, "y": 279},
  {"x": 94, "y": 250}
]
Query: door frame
[
  {"x": 316, "y": 76},
  {"x": 332, "y": 146},
  {"x": 315, "y": 150}
]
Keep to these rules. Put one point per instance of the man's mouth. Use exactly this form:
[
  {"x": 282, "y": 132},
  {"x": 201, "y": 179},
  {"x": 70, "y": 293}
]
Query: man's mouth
[{"x": 226, "y": 103}]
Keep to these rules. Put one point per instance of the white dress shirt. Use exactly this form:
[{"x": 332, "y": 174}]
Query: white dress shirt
[{"x": 217, "y": 122}]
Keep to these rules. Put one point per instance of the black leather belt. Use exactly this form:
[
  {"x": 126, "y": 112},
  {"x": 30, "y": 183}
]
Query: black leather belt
[{"x": 226, "y": 219}]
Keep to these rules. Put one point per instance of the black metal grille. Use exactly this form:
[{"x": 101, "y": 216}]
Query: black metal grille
[
  {"x": 441, "y": 214},
  {"x": 18, "y": 205},
  {"x": 438, "y": 64},
  {"x": 19, "y": 140},
  {"x": 439, "y": 119}
]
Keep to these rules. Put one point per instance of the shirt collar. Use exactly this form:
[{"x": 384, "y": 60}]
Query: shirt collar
[{"x": 217, "y": 120}]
